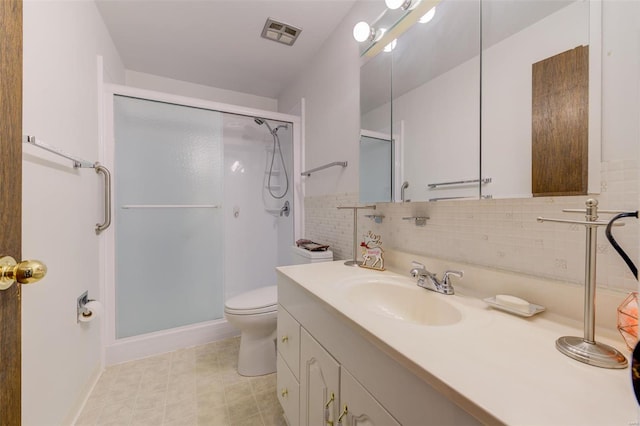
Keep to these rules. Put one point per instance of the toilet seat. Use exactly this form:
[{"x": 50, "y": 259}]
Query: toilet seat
[{"x": 258, "y": 301}]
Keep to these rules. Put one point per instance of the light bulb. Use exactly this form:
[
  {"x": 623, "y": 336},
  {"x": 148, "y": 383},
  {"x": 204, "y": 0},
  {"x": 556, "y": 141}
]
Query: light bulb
[
  {"x": 389, "y": 47},
  {"x": 428, "y": 16},
  {"x": 361, "y": 31},
  {"x": 396, "y": 4}
]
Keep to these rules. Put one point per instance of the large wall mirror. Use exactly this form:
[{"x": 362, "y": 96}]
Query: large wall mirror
[
  {"x": 460, "y": 100},
  {"x": 540, "y": 97},
  {"x": 377, "y": 145}
]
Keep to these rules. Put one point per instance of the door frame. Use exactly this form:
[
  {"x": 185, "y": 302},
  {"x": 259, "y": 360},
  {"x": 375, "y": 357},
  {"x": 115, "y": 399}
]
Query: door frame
[{"x": 11, "y": 206}]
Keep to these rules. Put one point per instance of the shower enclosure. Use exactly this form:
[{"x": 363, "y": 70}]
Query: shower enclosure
[{"x": 199, "y": 214}]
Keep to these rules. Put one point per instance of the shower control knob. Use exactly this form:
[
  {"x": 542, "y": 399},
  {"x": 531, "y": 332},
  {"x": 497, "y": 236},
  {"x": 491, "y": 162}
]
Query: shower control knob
[{"x": 25, "y": 272}]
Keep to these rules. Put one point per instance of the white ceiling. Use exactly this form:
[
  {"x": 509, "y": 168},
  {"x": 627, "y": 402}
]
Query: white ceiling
[{"x": 217, "y": 42}]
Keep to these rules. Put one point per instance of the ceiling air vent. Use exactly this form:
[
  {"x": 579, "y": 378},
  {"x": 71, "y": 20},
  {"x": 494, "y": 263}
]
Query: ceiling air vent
[{"x": 280, "y": 32}]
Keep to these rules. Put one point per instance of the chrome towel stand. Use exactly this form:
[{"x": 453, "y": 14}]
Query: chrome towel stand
[
  {"x": 355, "y": 261},
  {"x": 586, "y": 349},
  {"x": 80, "y": 164}
]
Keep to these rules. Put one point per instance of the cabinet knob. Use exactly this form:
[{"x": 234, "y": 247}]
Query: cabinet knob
[
  {"x": 285, "y": 339},
  {"x": 284, "y": 393}
]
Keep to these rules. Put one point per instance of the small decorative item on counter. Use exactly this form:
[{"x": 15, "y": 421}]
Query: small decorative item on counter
[
  {"x": 628, "y": 319},
  {"x": 372, "y": 253}
]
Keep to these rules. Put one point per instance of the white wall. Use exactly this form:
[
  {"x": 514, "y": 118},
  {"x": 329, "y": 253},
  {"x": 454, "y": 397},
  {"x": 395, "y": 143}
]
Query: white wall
[
  {"x": 330, "y": 86},
  {"x": 183, "y": 88},
  {"x": 61, "y": 206}
]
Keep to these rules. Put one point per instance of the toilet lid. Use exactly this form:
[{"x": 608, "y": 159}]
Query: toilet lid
[{"x": 263, "y": 299}]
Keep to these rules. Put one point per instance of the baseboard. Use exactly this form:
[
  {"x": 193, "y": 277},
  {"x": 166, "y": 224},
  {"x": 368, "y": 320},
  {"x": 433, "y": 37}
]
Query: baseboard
[{"x": 137, "y": 347}]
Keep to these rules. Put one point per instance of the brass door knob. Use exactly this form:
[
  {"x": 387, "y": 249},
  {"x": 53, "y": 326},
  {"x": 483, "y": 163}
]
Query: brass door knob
[{"x": 25, "y": 272}]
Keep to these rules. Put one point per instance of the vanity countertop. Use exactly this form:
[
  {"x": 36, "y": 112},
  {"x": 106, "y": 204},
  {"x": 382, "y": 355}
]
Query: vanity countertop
[{"x": 495, "y": 365}]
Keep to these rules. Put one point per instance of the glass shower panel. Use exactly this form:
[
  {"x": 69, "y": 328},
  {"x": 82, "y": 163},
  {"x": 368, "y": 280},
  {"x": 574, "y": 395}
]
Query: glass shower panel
[{"x": 169, "y": 223}]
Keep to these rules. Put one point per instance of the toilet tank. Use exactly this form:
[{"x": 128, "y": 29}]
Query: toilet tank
[{"x": 300, "y": 256}]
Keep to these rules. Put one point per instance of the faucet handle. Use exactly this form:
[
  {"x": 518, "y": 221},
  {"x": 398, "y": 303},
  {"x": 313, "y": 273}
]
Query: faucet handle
[
  {"x": 416, "y": 264},
  {"x": 416, "y": 268},
  {"x": 445, "y": 276}
]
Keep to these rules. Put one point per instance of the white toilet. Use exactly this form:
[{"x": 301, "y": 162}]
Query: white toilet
[{"x": 255, "y": 313}]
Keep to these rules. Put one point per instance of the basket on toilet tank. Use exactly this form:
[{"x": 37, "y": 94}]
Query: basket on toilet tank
[{"x": 301, "y": 256}]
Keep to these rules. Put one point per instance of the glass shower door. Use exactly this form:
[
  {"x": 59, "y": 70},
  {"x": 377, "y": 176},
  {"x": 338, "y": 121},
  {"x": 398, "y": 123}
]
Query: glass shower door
[{"x": 169, "y": 223}]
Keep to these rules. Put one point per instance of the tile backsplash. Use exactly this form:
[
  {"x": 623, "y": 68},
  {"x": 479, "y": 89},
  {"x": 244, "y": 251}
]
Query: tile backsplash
[{"x": 501, "y": 233}]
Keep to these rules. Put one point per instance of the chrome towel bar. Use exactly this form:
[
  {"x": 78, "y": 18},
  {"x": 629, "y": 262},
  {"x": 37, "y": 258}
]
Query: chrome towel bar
[
  {"x": 171, "y": 206},
  {"x": 326, "y": 166},
  {"x": 77, "y": 162},
  {"x": 458, "y": 182}
]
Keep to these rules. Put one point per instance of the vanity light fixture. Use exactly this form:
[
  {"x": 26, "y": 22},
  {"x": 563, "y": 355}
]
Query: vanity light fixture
[
  {"x": 362, "y": 31},
  {"x": 428, "y": 16},
  {"x": 398, "y": 4}
]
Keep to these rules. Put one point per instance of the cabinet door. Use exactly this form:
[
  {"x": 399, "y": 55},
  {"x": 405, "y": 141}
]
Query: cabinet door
[
  {"x": 361, "y": 408},
  {"x": 319, "y": 381}
]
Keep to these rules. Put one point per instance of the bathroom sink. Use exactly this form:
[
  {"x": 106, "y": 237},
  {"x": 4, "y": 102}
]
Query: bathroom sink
[{"x": 414, "y": 305}]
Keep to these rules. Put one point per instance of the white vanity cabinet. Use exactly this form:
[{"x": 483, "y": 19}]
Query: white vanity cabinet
[
  {"x": 326, "y": 389},
  {"x": 339, "y": 358}
]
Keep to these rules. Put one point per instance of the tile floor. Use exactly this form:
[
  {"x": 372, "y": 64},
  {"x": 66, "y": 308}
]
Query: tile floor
[{"x": 193, "y": 386}]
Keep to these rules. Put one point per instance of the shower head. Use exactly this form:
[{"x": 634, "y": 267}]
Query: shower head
[{"x": 260, "y": 121}]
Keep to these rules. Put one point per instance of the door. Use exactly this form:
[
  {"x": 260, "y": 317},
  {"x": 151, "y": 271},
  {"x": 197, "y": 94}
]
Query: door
[
  {"x": 167, "y": 213},
  {"x": 10, "y": 203}
]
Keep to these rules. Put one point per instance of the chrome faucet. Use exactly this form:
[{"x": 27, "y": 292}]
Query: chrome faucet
[
  {"x": 404, "y": 186},
  {"x": 284, "y": 211},
  {"x": 430, "y": 281}
]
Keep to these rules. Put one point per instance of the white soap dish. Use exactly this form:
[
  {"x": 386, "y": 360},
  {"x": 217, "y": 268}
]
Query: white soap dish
[{"x": 514, "y": 305}]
